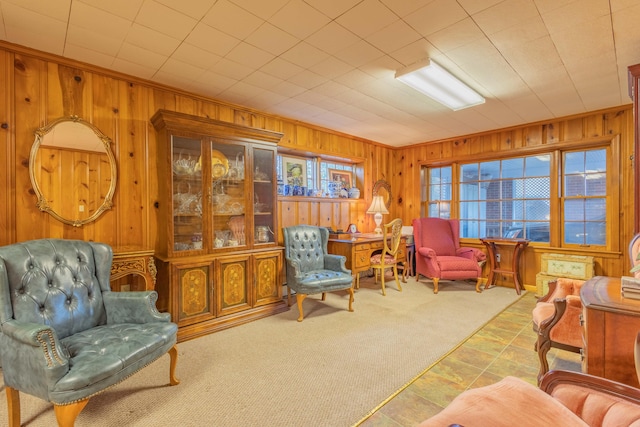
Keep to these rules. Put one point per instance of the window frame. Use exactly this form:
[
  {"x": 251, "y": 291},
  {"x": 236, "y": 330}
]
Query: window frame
[{"x": 556, "y": 222}]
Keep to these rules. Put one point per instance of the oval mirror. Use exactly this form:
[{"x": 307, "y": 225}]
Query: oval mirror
[
  {"x": 72, "y": 171},
  {"x": 382, "y": 188}
]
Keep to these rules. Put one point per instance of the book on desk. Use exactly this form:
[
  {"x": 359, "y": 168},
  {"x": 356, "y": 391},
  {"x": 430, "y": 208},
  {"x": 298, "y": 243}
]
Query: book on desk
[{"x": 630, "y": 287}]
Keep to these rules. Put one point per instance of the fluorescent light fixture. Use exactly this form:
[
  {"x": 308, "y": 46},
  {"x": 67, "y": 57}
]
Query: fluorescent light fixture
[{"x": 437, "y": 83}]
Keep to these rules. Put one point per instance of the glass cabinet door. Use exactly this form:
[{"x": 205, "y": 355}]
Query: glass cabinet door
[
  {"x": 186, "y": 184},
  {"x": 264, "y": 196},
  {"x": 229, "y": 204}
]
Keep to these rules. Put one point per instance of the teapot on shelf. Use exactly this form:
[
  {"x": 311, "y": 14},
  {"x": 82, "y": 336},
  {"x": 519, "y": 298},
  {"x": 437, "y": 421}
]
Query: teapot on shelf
[{"x": 262, "y": 233}]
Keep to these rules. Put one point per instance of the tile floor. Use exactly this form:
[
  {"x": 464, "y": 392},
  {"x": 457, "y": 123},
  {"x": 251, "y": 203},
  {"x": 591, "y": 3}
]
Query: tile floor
[{"x": 504, "y": 346}]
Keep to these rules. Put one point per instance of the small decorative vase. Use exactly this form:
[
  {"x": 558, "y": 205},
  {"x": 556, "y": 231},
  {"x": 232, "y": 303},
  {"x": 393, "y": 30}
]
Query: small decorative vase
[
  {"x": 354, "y": 193},
  {"x": 333, "y": 188}
]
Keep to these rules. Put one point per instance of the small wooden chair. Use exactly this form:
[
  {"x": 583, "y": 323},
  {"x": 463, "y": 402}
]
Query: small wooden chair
[{"x": 391, "y": 236}]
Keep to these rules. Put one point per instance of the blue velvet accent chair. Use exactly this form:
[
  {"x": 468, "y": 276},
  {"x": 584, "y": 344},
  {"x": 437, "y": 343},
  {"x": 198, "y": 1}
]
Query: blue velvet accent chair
[
  {"x": 310, "y": 269},
  {"x": 64, "y": 335}
]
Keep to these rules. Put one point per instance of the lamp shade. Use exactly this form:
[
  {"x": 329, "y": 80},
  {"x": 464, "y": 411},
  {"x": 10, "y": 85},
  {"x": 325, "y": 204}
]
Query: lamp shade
[
  {"x": 377, "y": 206},
  {"x": 437, "y": 83}
]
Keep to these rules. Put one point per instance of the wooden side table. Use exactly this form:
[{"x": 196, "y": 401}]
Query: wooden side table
[{"x": 492, "y": 244}]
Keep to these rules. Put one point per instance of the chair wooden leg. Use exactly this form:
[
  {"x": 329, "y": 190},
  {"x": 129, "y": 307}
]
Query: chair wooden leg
[
  {"x": 478, "y": 284},
  {"x": 543, "y": 346},
  {"x": 350, "y": 290},
  {"x": 13, "y": 404},
  {"x": 395, "y": 273},
  {"x": 357, "y": 280},
  {"x": 435, "y": 285},
  {"x": 324, "y": 296},
  {"x": 173, "y": 354},
  {"x": 67, "y": 414},
  {"x": 299, "y": 299},
  {"x": 288, "y": 296},
  {"x": 381, "y": 281}
]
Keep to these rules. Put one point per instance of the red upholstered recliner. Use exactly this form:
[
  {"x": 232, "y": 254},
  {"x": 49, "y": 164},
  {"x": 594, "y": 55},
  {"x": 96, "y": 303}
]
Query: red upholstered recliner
[{"x": 439, "y": 255}]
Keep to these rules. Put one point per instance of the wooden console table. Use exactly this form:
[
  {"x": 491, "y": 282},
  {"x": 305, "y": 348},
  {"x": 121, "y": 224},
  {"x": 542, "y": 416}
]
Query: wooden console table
[
  {"x": 358, "y": 251},
  {"x": 134, "y": 263},
  {"x": 611, "y": 324},
  {"x": 492, "y": 244}
]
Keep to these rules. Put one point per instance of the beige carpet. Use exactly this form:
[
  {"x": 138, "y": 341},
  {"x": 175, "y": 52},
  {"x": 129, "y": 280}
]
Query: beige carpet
[{"x": 330, "y": 370}]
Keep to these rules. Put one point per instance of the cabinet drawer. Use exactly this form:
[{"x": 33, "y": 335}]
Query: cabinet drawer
[
  {"x": 363, "y": 247},
  {"x": 362, "y": 259}
]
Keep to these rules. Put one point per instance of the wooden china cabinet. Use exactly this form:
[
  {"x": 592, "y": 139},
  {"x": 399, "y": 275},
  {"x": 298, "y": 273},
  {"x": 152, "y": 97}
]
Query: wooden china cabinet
[{"x": 218, "y": 261}]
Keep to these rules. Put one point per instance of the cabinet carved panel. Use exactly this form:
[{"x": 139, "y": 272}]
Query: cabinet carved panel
[
  {"x": 233, "y": 285},
  {"x": 193, "y": 292}
]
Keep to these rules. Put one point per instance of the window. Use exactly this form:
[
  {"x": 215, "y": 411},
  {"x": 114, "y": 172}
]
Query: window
[
  {"x": 439, "y": 196},
  {"x": 584, "y": 194},
  {"x": 506, "y": 198},
  {"x": 317, "y": 171},
  {"x": 517, "y": 197}
]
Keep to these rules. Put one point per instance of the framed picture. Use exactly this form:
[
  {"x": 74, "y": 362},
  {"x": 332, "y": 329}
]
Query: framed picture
[
  {"x": 294, "y": 170},
  {"x": 345, "y": 177}
]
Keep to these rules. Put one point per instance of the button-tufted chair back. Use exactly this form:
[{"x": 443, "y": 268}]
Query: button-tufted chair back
[
  {"x": 55, "y": 282},
  {"x": 307, "y": 244}
]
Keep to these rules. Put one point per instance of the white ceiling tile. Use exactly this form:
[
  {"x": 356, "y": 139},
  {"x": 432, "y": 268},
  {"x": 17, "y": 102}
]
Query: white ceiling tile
[
  {"x": 281, "y": 68},
  {"x": 367, "y": 18},
  {"x": 249, "y": 55},
  {"x": 196, "y": 9},
  {"x": 271, "y": 39},
  {"x": 182, "y": 69},
  {"x": 94, "y": 19},
  {"x": 435, "y": 16},
  {"x": 307, "y": 79},
  {"x": 55, "y": 9},
  {"x": 91, "y": 40},
  {"x": 393, "y": 37},
  {"x": 127, "y": 9},
  {"x": 415, "y": 52},
  {"x": 171, "y": 79},
  {"x": 195, "y": 56},
  {"x": 304, "y": 55},
  {"x": 81, "y": 53},
  {"x": 165, "y": 20},
  {"x": 576, "y": 15},
  {"x": 474, "y": 6},
  {"x": 147, "y": 38},
  {"x": 232, "y": 19},
  {"x": 134, "y": 69},
  {"x": 19, "y": 25},
  {"x": 215, "y": 83},
  {"x": 506, "y": 14},
  {"x": 240, "y": 92},
  {"x": 403, "y": 8},
  {"x": 231, "y": 69},
  {"x": 359, "y": 54},
  {"x": 332, "y": 38},
  {"x": 288, "y": 89},
  {"x": 332, "y": 8},
  {"x": 264, "y": 100},
  {"x": 331, "y": 67},
  {"x": 459, "y": 34},
  {"x": 288, "y": 19},
  {"x": 211, "y": 39},
  {"x": 262, "y": 80},
  {"x": 331, "y": 88},
  {"x": 383, "y": 67},
  {"x": 138, "y": 55},
  {"x": 264, "y": 9}
]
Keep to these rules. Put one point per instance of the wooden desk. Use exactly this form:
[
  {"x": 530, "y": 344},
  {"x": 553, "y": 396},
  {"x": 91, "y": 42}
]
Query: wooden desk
[
  {"x": 611, "y": 324},
  {"x": 492, "y": 244},
  {"x": 358, "y": 251}
]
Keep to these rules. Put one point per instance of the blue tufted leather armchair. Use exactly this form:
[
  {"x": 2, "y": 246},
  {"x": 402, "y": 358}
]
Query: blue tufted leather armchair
[
  {"x": 310, "y": 269},
  {"x": 64, "y": 335}
]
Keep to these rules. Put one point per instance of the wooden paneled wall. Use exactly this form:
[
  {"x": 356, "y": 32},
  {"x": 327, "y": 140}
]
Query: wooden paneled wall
[
  {"x": 39, "y": 87},
  {"x": 574, "y": 131}
]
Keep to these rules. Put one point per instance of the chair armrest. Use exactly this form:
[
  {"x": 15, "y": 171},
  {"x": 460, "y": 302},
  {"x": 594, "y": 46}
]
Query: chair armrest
[
  {"x": 133, "y": 307},
  {"x": 32, "y": 344},
  {"x": 471, "y": 253},
  {"x": 336, "y": 263},
  {"x": 553, "y": 380},
  {"x": 562, "y": 287},
  {"x": 426, "y": 252}
]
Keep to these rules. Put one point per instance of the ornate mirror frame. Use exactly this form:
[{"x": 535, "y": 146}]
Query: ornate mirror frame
[
  {"x": 382, "y": 188},
  {"x": 101, "y": 141}
]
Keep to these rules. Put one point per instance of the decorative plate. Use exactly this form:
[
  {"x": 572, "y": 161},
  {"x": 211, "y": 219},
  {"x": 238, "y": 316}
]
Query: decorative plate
[{"x": 219, "y": 164}]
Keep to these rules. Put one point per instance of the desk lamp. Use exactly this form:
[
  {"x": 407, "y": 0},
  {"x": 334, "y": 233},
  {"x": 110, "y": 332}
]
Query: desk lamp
[{"x": 378, "y": 208}]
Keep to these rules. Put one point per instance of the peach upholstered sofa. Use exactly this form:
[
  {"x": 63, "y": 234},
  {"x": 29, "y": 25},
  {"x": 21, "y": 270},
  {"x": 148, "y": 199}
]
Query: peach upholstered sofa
[{"x": 563, "y": 399}]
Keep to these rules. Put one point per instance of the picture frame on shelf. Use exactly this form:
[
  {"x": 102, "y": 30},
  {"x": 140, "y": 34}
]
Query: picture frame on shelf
[
  {"x": 345, "y": 177},
  {"x": 294, "y": 171}
]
